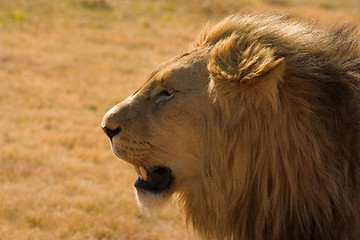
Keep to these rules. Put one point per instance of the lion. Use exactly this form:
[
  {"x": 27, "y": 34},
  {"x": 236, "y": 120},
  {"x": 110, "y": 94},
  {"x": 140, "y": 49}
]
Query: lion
[{"x": 254, "y": 130}]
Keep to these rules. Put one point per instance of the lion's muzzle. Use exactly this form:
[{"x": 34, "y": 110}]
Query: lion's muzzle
[{"x": 122, "y": 125}]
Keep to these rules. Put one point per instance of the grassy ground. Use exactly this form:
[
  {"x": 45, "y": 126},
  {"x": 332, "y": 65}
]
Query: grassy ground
[{"x": 63, "y": 64}]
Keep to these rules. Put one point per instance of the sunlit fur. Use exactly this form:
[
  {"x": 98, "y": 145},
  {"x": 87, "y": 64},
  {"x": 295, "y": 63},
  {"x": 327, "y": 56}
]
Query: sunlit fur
[
  {"x": 282, "y": 143},
  {"x": 261, "y": 131}
]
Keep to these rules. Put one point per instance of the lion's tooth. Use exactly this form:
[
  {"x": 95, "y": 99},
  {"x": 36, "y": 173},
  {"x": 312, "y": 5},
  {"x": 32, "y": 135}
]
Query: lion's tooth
[
  {"x": 143, "y": 173},
  {"x": 137, "y": 169}
]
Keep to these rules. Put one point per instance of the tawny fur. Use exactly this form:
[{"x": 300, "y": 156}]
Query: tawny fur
[
  {"x": 282, "y": 156},
  {"x": 260, "y": 130}
]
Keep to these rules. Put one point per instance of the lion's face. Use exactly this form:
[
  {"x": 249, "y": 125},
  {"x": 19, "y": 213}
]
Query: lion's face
[{"x": 158, "y": 128}]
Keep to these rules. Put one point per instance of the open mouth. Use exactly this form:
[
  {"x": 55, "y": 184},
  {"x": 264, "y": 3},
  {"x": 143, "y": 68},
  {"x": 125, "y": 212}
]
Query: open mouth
[{"x": 153, "y": 179}]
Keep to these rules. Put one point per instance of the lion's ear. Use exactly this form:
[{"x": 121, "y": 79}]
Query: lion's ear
[{"x": 246, "y": 71}]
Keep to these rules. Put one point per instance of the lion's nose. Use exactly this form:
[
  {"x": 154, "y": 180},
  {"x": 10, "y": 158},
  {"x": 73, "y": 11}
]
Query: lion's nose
[
  {"x": 111, "y": 132},
  {"x": 112, "y": 122}
]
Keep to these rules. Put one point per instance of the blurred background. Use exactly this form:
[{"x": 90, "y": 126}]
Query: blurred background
[{"x": 63, "y": 64}]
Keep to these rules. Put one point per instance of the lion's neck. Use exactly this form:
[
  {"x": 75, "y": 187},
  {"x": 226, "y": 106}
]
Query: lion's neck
[{"x": 269, "y": 186}]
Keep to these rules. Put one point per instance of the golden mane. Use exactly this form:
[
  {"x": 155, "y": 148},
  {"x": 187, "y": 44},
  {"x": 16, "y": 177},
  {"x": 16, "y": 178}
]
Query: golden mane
[{"x": 282, "y": 158}]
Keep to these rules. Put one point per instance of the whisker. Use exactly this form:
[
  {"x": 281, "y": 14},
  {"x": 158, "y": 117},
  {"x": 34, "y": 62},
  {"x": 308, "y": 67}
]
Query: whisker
[
  {"x": 161, "y": 151},
  {"x": 157, "y": 155},
  {"x": 161, "y": 154}
]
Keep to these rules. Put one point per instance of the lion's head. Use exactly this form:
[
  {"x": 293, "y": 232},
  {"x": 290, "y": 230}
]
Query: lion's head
[{"x": 256, "y": 130}]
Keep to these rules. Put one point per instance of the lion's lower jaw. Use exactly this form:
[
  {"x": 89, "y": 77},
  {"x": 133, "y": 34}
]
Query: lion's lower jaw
[{"x": 150, "y": 203}]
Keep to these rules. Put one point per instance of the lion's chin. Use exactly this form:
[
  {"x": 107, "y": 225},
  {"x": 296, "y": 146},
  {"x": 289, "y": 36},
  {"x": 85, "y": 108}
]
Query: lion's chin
[
  {"x": 153, "y": 188},
  {"x": 150, "y": 203}
]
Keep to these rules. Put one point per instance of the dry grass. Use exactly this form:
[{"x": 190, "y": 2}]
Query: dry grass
[{"x": 63, "y": 64}]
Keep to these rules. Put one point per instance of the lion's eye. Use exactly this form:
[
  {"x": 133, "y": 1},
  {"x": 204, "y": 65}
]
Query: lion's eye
[{"x": 165, "y": 94}]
